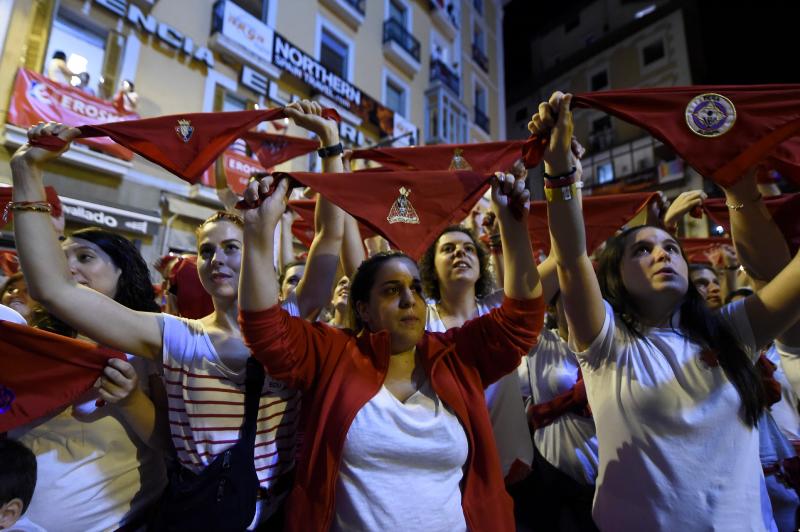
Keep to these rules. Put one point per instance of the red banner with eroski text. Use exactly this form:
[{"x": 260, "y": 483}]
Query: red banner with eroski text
[
  {"x": 238, "y": 168},
  {"x": 38, "y": 99}
]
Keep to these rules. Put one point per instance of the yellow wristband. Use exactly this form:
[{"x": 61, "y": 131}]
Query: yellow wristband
[{"x": 560, "y": 194}]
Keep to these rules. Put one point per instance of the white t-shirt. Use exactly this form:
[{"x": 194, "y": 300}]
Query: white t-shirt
[
  {"x": 9, "y": 314},
  {"x": 55, "y": 73},
  {"x": 675, "y": 453},
  {"x": 24, "y": 524},
  {"x": 568, "y": 443},
  {"x": 784, "y": 411},
  {"x": 503, "y": 399},
  {"x": 401, "y": 466},
  {"x": 93, "y": 471},
  {"x": 206, "y": 406}
]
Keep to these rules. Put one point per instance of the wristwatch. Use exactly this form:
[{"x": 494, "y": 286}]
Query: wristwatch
[{"x": 330, "y": 151}]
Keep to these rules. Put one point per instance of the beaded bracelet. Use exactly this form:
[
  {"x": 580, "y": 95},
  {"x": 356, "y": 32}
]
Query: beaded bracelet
[
  {"x": 740, "y": 206},
  {"x": 37, "y": 206}
]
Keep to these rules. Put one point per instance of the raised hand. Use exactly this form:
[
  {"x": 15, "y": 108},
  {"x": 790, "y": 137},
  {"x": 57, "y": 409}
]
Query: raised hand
[
  {"x": 261, "y": 221},
  {"x": 686, "y": 202},
  {"x": 554, "y": 119},
  {"x": 308, "y": 115},
  {"x": 37, "y": 157},
  {"x": 509, "y": 196}
]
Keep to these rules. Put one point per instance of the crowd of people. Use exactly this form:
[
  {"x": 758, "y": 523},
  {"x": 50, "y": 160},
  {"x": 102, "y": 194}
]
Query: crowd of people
[{"x": 617, "y": 389}]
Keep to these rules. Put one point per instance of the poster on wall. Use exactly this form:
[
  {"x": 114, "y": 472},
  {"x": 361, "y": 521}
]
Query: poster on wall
[{"x": 38, "y": 99}]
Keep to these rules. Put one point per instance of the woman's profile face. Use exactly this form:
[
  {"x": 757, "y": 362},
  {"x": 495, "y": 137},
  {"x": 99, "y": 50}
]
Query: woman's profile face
[
  {"x": 653, "y": 266},
  {"x": 219, "y": 258},
  {"x": 456, "y": 259},
  {"x": 91, "y": 266}
]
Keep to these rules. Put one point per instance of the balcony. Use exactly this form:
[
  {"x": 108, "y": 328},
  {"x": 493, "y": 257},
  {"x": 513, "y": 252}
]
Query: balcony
[
  {"x": 481, "y": 120},
  {"x": 479, "y": 56},
  {"x": 440, "y": 72},
  {"x": 350, "y": 11},
  {"x": 446, "y": 119},
  {"x": 445, "y": 17},
  {"x": 401, "y": 46}
]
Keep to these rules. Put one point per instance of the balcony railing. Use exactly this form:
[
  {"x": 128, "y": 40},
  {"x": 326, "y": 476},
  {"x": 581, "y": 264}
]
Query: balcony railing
[
  {"x": 395, "y": 31},
  {"x": 481, "y": 120},
  {"x": 480, "y": 57},
  {"x": 358, "y": 5},
  {"x": 441, "y": 72}
]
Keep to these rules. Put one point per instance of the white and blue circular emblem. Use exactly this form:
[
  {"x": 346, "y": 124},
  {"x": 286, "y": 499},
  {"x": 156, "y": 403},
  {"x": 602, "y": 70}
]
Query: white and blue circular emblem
[{"x": 710, "y": 115}]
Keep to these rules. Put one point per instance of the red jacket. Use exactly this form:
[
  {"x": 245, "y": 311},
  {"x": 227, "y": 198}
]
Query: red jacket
[{"x": 344, "y": 371}]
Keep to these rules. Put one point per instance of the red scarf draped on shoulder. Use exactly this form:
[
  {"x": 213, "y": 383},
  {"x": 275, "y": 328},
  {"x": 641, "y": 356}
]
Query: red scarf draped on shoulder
[{"x": 41, "y": 372}]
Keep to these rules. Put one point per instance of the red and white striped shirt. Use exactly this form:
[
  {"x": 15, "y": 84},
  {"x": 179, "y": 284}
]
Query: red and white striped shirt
[{"x": 206, "y": 405}]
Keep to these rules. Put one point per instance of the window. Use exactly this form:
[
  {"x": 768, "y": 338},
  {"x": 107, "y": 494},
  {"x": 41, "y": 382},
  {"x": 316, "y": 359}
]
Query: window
[
  {"x": 333, "y": 53},
  {"x": 478, "y": 38},
  {"x": 604, "y": 172},
  {"x": 398, "y": 12},
  {"x": 480, "y": 99},
  {"x": 85, "y": 47},
  {"x": 653, "y": 52},
  {"x": 599, "y": 80},
  {"x": 395, "y": 97},
  {"x": 257, "y": 8}
]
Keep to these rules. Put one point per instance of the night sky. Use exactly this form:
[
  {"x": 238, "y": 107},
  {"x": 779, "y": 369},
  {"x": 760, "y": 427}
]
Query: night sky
[{"x": 730, "y": 42}]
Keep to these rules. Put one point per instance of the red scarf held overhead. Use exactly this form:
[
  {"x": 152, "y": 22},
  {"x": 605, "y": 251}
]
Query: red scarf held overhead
[
  {"x": 783, "y": 209},
  {"x": 184, "y": 144},
  {"x": 603, "y": 216},
  {"x": 41, "y": 372},
  {"x": 482, "y": 157},
  {"x": 410, "y": 209},
  {"x": 720, "y": 137},
  {"x": 272, "y": 150},
  {"x": 6, "y": 194},
  {"x": 698, "y": 250}
]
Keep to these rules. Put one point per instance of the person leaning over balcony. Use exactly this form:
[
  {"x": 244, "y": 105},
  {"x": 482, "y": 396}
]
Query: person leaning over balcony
[{"x": 400, "y": 437}]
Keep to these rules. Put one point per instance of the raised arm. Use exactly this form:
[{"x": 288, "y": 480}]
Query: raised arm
[
  {"x": 520, "y": 276},
  {"x": 353, "y": 253},
  {"x": 46, "y": 272},
  {"x": 314, "y": 289},
  {"x": 583, "y": 302}
]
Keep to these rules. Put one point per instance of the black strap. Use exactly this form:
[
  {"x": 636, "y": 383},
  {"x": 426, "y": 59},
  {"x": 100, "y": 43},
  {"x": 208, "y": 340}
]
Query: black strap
[{"x": 254, "y": 382}]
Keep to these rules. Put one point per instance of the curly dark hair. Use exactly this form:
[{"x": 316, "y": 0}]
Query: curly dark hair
[
  {"x": 364, "y": 278},
  {"x": 134, "y": 287},
  {"x": 697, "y": 322},
  {"x": 427, "y": 266}
]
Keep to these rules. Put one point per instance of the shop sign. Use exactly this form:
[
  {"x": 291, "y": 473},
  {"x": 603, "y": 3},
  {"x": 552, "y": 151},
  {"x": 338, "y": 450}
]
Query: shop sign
[
  {"x": 38, "y": 99},
  {"x": 238, "y": 168},
  {"x": 294, "y": 61},
  {"x": 237, "y": 32},
  {"x": 166, "y": 33},
  {"x": 109, "y": 217}
]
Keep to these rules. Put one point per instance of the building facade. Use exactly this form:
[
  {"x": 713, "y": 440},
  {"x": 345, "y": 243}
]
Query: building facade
[
  {"x": 398, "y": 71},
  {"x": 613, "y": 44}
]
